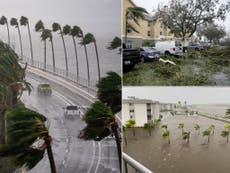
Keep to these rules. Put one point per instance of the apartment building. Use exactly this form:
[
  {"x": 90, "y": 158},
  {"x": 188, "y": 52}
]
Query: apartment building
[
  {"x": 142, "y": 110},
  {"x": 150, "y": 28}
]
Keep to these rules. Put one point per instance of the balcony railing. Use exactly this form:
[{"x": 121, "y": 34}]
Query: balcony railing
[{"x": 132, "y": 166}]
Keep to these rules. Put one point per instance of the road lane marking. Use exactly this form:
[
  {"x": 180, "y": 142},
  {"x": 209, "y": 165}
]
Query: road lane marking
[
  {"x": 99, "y": 156},
  {"x": 92, "y": 161}
]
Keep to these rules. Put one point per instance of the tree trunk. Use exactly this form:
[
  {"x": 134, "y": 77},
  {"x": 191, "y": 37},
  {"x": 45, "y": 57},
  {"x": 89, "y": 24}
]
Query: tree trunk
[
  {"x": 87, "y": 62},
  {"x": 3, "y": 127},
  {"x": 126, "y": 31},
  {"x": 114, "y": 128},
  {"x": 98, "y": 63},
  {"x": 75, "y": 50},
  {"x": 125, "y": 138},
  {"x": 8, "y": 31},
  {"x": 52, "y": 47},
  {"x": 20, "y": 40},
  {"x": 227, "y": 138},
  {"x": 45, "y": 55},
  {"x": 31, "y": 46},
  {"x": 66, "y": 59},
  {"x": 50, "y": 153},
  {"x": 208, "y": 139}
]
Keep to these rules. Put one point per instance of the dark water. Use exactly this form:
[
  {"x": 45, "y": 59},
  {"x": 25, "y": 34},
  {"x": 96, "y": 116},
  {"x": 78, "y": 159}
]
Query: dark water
[{"x": 198, "y": 156}]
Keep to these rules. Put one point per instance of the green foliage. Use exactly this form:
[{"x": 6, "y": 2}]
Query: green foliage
[
  {"x": 186, "y": 136},
  {"x": 165, "y": 133},
  {"x": 164, "y": 126},
  {"x": 66, "y": 29},
  {"x": 14, "y": 22},
  {"x": 46, "y": 33},
  {"x": 130, "y": 123},
  {"x": 115, "y": 43},
  {"x": 148, "y": 43},
  {"x": 227, "y": 112},
  {"x": 39, "y": 26},
  {"x": 87, "y": 39},
  {"x": 181, "y": 126},
  {"x": 225, "y": 134},
  {"x": 56, "y": 27},
  {"x": 76, "y": 31},
  {"x": 3, "y": 20},
  {"x": 227, "y": 126},
  {"x": 197, "y": 127},
  {"x": 24, "y": 21},
  {"x": 109, "y": 91},
  {"x": 166, "y": 70}
]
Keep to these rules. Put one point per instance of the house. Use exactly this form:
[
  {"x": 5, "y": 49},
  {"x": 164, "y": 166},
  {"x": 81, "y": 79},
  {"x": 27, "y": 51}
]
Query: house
[
  {"x": 142, "y": 110},
  {"x": 149, "y": 29}
]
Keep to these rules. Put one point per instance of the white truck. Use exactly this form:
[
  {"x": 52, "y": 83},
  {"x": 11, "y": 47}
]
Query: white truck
[{"x": 169, "y": 47}]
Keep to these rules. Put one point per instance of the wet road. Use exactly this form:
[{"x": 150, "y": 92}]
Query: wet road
[{"x": 72, "y": 155}]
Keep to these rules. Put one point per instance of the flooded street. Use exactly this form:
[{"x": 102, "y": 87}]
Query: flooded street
[{"x": 198, "y": 156}]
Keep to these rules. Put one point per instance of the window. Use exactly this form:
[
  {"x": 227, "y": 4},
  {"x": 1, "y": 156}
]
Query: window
[
  {"x": 149, "y": 34},
  {"x": 161, "y": 33},
  {"x": 149, "y": 23},
  {"x": 131, "y": 110},
  {"x": 129, "y": 30}
]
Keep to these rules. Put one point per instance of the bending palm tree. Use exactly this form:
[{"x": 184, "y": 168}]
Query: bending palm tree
[
  {"x": 89, "y": 38},
  {"x": 24, "y": 21},
  {"x": 39, "y": 27},
  {"x": 3, "y": 21},
  {"x": 46, "y": 33},
  {"x": 57, "y": 27},
  {"x": 134, "y": 13},
  {"x": 14, "y": 22},
  {"x": 25, "y": 127},
  {"x": 76, "y": 32}
]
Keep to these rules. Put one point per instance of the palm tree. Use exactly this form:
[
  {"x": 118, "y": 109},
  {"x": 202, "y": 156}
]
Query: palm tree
[
  {"x": 89, "y": 38},
  {"x": 212, "y": 128},
  {"x": 134, "y": 13},
  {"x": 131, "y": 124},
  {"x": 186, "y": 136},
  {"x": 197, "y": 128},
  {"x": 25, "y": 127},
  {"x": 124, "y": 135},
  {"x": 164, "y": 126},
  {"x": 14, "y": 22},
  {"x": 46, "y": 33},
  {"x": 149, "y": 126},
  {"x": 39, "y": 27},
  {"x": 57, "y": 27},
  {"x": 115, "y": 43},
  {"x": 207, "y": 132},
  {"x": 181, "y": 126},
  {"x": 166, "y": 134},
  {"x": 25, "y": 22},
  {"x": 225, "y": 134},
  {"x": 3, "y": 21},
  {"x": 227, "y": 126}
]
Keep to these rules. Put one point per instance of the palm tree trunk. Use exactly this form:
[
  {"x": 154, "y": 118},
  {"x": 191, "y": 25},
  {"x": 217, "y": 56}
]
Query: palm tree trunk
[
  {"x": 114, "y": 128},
  {"x": 98, "y": 63},
  {"x": 31, "y": 46},
  {"x": 52, "y": 47},
  {"x": 66, "y": 59},
  {"x": 75, "y": 49},
  {"x": 20, "y": 39},
  {"x": 87, "y": 62},
  {"x": 50, "y": 153},
  {"x": 8, "y": 31},
  {"x": 45, "y": 55},
  {"x": 126, "y": 31},
  {"x": 3, "y": 127}
]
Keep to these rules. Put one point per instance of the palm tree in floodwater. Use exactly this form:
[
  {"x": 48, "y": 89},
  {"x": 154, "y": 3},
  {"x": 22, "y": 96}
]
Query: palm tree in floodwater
[
  {"x": 186, "y": 136},
  {"x": 225, "y": 134},
  {"x": 89, "y": 38},
  {"x": 57, "y": 27},
  {"x": 207, "y": 133},
  {"x": 166, "y": 134},
  {"x": 197, "y": 128},
  {"x": 181, "y": 126},
  {"x": 25, "y": 22},
  {"x": 46, "y": 33},
  {"x": 14, "y": 22},
  {"x": 4, "y": 21},
  {"x": 212, "y": 128},
  {"x": 39, "y": 27}
]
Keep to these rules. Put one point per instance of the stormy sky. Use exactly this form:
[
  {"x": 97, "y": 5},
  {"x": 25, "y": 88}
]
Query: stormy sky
[
  {"x": 151, "y": 5},
  {"x": 100, "y": 17},
  {"x": 193, "y": 95}
]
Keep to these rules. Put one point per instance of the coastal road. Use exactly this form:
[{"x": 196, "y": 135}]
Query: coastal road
[{"x": 72, "y": 155}]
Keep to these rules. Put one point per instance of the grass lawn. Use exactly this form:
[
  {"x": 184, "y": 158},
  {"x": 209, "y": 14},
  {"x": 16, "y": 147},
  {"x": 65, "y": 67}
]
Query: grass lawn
[{"x": 210, "y": 67}]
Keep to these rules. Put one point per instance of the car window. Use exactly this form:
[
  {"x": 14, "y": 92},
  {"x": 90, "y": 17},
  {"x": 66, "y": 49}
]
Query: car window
[{"x": 72, "y": 107}]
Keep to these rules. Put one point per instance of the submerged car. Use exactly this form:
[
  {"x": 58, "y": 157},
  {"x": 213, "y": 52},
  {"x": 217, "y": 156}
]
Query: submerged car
[
  {"x": 45, "y": 89},
  {"x": 71, "y": 111},
  {"x": 149, "y": 54}
]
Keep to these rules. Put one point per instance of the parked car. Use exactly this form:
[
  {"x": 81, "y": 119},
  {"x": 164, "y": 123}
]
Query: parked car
[
  {"x": 195, "y": 46},
  {"x": 149, "y": 54},
  {"x": 44, "y": 88},
  {"x": 131, "y": 57},
  {"x": 71, "y": 111},
  {"x": 169, "y": 47}
]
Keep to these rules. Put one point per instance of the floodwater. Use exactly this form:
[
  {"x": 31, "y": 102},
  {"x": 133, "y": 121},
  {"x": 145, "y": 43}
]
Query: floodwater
[{"x": 197, "y": 156}]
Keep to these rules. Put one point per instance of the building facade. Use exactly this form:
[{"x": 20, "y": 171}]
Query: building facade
[
  {"x": 142, "y": 110},
  {"x": 150, "y": 28}
]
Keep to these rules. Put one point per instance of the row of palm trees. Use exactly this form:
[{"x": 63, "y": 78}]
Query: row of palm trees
[{"x": 75, "y": 32}]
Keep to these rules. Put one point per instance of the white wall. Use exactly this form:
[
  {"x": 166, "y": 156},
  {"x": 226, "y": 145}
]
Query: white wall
[{"x": 140, "y": 114}]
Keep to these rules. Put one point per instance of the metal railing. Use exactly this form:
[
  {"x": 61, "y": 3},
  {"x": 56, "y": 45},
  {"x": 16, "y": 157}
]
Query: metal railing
[
  {"x": 62, "y": 73},
  {"x": 132, "y": 166}
]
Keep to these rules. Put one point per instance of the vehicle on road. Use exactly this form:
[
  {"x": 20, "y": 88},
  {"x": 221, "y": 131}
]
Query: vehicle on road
[
  {"x": 169, "y": 47},
  {"x": 131, "y": 56},
  {"x": 195, "y": 46},
  {"x": 71, "y": 111},
  {"x": 149, "y": 54},
  {"x": 44, "y": 88}
]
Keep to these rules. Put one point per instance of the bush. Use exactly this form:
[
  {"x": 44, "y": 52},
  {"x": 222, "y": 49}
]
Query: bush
[{"x": 166, "y": 70}]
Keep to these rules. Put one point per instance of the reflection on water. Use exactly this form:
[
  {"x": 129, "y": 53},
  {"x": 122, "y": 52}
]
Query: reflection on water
[{"x": 198, "y": 156}]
